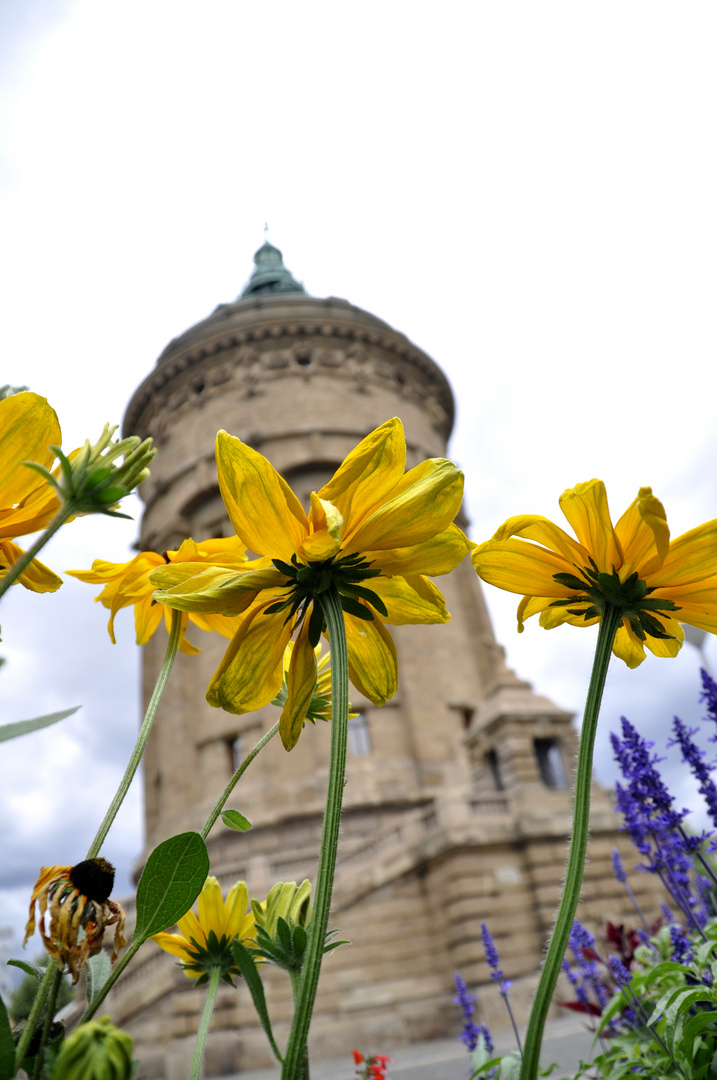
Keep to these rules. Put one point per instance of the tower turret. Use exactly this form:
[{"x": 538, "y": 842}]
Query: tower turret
[{"x": 456, "y": 800}]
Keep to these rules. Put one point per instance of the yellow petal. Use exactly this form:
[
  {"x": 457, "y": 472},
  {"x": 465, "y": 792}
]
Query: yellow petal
[
  {"x": 250, "y": 674},
  {"x": 368, "y": 474},
  {"x": 213, "y": 589},
  {"x": 439, "y": 555},
  {"x": 637, "y": 541},
  {"x": 147, "y": 617},
  {"x": 653, "y": 514},
  {"x": 667, "y": 646},
  {"x": 191, "y": 929},
  {"x": 174, "y": 944},
  {"x": 373, "y": 664},
  {"x": 521, "y": 567},
  {"x": 410, "y": 600},
  {"x": 225, "y": 625},
  {"x": 265, "y": 513},
  {"x": 692, "y": 558},
  {"x": 585, "y": 507},
  {"x": 36, "y": 576},
  {"x": 101, "y": 571},
  {"x": 235, "y": 909},
  {"x": 545, "y": 532},
  {"x": 696, "y": 603},
  {"x": 210, "y": 907},
  {"x": 628, "y": 647},
  {"x": 300, "y": 682},
  {"x": 28, "y": 426},
  {"x": 424, "y": 503},
  {"x": 222, "y": 551}
]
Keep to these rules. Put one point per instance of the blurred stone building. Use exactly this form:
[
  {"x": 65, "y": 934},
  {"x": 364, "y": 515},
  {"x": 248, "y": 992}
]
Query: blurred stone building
[{"x": 456, "y": 806}]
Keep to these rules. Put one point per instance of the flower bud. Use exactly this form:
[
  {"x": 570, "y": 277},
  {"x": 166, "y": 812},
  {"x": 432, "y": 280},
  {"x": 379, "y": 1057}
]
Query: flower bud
[{"x": 95, "y": 1051}]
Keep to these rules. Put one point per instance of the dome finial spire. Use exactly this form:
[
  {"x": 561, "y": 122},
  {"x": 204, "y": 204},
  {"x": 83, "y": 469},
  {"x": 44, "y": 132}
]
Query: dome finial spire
[{"x": 269, "y": 274}]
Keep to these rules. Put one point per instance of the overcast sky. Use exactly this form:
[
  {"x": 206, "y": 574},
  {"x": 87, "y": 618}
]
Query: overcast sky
[{"x": 526, "y": 190}]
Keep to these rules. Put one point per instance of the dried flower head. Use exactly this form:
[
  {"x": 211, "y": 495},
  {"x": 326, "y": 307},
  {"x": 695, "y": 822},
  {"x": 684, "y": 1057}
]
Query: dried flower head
[{"x": 77, "y": 898}]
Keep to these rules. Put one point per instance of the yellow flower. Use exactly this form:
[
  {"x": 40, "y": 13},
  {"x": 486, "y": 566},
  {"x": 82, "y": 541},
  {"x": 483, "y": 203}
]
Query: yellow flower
[
  {"x": 28, "y": 428},
  {"x": 204, "y": 941},
  {"x": 128, "y": 585},
  {"x": 655, "y": 583},
  {"x": 77, "y": 897},
  {"x": 372, "y": 523},
  {"x": 313, "y": 705}
]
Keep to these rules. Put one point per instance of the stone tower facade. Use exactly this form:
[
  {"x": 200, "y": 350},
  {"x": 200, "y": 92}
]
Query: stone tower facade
[{"x": 456, "y": 806}]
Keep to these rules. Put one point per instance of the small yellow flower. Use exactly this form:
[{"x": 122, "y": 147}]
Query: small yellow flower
[
  {"x": 28, "y": 427},
  {"x": 128, "y": 585},
  {"x": 311, "y": 703},
  {"x": 80, "y": 910},
  {"x": 204, "y": 940},
  {"x": 656, "y": 583},
  {"x": 374, "y": 531}
]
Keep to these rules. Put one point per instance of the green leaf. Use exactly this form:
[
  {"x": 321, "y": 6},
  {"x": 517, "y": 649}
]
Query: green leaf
[
  {"x": 98, "y": 972},
  {"x": 245, "y": 963},
  {"x": 170, "y": 883},
  {"x": 234, "y": 820},
  {"x": 30, "y": 969},
  {"x": 22, "y": 727},
  {"x": 7, "y": 1046}
]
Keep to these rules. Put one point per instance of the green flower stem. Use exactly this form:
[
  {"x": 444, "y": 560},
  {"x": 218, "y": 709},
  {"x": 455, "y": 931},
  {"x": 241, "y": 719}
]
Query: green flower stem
[
  {"x": 49, "y": 1017},
  {"x": 10, "y": 577},
  {"x": 236, "y": 778},
  {"x": 295, "y": 976},
  {"x": 609, "y": 623},
  {"x": 215, "y": 977},
  {"x": 35, "y": 1011},
  {"x": 175, "y": 633},
  {"x": 295, "y": 1051}
]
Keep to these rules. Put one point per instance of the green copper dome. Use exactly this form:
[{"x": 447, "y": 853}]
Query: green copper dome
[{"x": 270, "y": 276}]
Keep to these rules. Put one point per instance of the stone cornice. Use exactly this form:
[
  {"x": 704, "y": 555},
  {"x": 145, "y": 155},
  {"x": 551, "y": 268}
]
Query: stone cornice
[{"x": 268, "y": 338}]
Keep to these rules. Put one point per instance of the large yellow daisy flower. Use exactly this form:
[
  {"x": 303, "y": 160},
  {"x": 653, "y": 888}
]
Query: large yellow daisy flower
[
  {"x": 657, "y": 584},
  {"x": 375, "y": 531},
  {"x": 28, "y": 428},
  {"x": 128, "y": 585}
]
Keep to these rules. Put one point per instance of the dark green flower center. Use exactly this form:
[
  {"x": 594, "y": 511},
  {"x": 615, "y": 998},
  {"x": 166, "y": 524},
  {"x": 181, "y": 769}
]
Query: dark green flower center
[
  {"x": 215, "y": 954},
  {"x": 308, "y": 582},
  {"x": 630, "y": 597}
]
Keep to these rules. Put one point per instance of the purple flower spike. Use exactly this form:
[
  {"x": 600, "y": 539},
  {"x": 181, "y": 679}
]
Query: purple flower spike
[
  {"x": 471, "y": 1032},
  {"x": 618, "y": 970},
  {"x": 617, "y": 867},
  {"x": 491, "y": 955}
]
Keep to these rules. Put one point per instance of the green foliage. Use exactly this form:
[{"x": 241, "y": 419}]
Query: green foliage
[
  {"x": 23, "y": 727},
  {"x": 170, "y": 883},
  {"x": 23, "y": 997},
  {"x": 234, "y": 820},
  {"x": 669, "y": 1013}
]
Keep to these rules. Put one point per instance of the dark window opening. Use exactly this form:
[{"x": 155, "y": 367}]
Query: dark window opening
[
  {"x": 359, "y": 736},
  {"x": 234, "y": 753},
  {"x": 466, "y": 714},
  {"x": 550, "y": 763},
  {"x": 493, "y": 765}
]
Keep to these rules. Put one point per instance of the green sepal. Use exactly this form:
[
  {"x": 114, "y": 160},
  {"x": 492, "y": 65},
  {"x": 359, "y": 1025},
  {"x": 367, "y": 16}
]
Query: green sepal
[
  {"x": 353, "y": 607},
  {"x": 368, "y": 595},
  {"x": 316, "y": 625}
]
